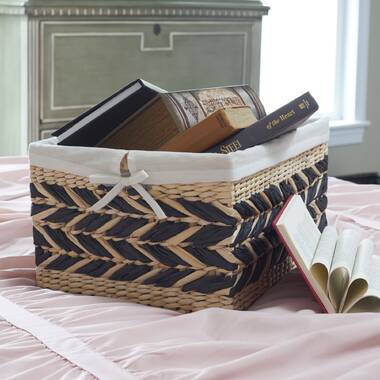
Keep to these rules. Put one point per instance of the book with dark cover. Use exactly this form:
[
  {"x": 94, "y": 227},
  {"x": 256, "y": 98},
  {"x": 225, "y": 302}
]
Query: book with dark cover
[
  {"x": 284, "y": 119},
  {"x": 92, "y": 126},
  {"x": 171, "y": 113}
]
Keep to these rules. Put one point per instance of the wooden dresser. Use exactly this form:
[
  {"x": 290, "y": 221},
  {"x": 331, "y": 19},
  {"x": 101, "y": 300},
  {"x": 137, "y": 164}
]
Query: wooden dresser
[{"x": 57, "y": 58}]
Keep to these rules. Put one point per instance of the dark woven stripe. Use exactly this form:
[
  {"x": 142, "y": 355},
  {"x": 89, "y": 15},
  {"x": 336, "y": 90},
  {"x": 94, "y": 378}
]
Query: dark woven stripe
[
  {"x": 244, "y": 279},
  {"x": 262, "y": 245},
  {"x": 130, "y": 272},
  {"x": 322, "y": 165},
  {"x": 63, "y": 262},
  {"x": 41, "y": 255},
  {"x": 243, "y": 254},
  {"x": 274, "y": 194},
  {"x": 168, "y": 277},
  {"x": 312, "y": 212},
  {"x": 211, "y": 258},
  {"x": 164, "y": 230},
  {"x": 128, "y": 251},
  {"x": 130, "y": 191},
  {"x": 259, "y": 225},
  {"x": 60, "y": 238},
  {"x": 322, "y": 222},
  {"x": 119, "y": 204},
  {"x": 86, "y": 194},
  {"x": 96, "y": 268},
  {"x": 126, "y": 226},
  {"x": 92, "y": 222},
  {"x": 311, "y": 192},
  {"x": 302, "y": 195},
  {"x": 39, "y": 239},
  {"x": 244, "y": 231},
  {"x": 273, "y": 215},
  {"x": 299, "y": 182},
  {"x": 259, "y": 203},
  {"x": 59, "y": 193},
  {"x": 37, "y": 208},
  {"x": 170, "y": 211},
  {"x": 245, "y": 210},
  {"x": 92, "y": 246},
  {"x": 310, "y": 174},
  {"x": 270, "y": 236},
  {"x": 210, "y": 234},
  {"x": 63, "y": 215},
  {"x": 34, "y": 193},
  {"x": 323, "y": 186},
  {"x": 207, "y": 211},
  {"x": 164, "y": 255},
  {"x": 210, "y": 283},
  {"x": 286, "y": 189}
]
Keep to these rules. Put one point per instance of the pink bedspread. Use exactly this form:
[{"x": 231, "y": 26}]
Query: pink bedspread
[{"x": 283, "y": 336}]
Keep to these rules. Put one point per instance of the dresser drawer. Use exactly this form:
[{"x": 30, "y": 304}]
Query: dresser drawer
[
  {"x": 83, "y": 62},
  {"x": 46, "y": 133}
]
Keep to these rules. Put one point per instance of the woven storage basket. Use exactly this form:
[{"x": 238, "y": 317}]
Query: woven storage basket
[{"x": 216, "y": 247}]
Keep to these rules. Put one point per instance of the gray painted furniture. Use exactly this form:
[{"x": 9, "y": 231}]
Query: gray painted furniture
[{"x": 60, "y": 57}]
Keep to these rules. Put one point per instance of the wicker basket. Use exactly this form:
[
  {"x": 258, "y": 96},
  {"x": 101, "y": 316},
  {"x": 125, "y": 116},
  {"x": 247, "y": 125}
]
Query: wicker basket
[{"x": 216, "y": 247}]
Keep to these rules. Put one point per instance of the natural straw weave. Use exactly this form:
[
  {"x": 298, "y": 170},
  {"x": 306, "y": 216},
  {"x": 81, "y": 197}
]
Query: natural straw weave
[{"x": 216, "y": 248}]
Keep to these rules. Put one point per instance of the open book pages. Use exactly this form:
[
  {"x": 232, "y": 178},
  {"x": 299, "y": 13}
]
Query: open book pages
[{"x": 340, "y": 269}]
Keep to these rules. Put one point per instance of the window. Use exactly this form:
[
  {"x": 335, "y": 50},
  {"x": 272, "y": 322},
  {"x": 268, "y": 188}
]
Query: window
[{"x": 319, "y": 46}]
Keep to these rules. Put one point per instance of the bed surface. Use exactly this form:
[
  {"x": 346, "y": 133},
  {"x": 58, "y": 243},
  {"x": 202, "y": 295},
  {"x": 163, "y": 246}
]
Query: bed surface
[{"x": 282, "y": 336}]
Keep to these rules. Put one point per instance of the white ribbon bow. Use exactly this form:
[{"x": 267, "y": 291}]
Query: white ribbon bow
[{"x": 122, "y": 182}]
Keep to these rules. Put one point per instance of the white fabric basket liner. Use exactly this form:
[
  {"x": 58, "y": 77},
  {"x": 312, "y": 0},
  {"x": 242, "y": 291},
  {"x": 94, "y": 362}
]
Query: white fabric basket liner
[
  {"x": 172, "y": 167},
  {"x": 102, "y": 165}
]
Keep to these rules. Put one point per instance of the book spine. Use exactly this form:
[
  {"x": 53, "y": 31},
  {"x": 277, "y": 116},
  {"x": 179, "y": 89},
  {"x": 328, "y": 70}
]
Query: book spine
[
  {"x": 188, "y": 108},
  {"x": 285, "y": 119},
  {"x": 201, "y": 136},
  {"x": 216, "y": 127}
]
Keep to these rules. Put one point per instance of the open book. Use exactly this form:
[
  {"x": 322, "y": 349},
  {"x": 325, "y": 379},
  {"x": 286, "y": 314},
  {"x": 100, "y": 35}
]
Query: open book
[{"x": 340, "y": 270}]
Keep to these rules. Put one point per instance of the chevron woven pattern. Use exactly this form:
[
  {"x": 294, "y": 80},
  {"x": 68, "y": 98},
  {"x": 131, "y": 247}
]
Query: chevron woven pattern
[{"x": 215, "y": 248}]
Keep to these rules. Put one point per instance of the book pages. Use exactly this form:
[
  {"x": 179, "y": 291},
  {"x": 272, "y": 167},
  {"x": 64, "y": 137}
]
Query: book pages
[
  {"x": 342, "y": 266},
  {"x": 299, "y": 225},
  {"x": 370, "y": 302},
  {"x": 301, "y": 236},
  {"x": 374, "y": 277},
  {"x": 361, "y": 274},
  {"x": 341, "y": 270},
  {"x": 321, "y": 263}
]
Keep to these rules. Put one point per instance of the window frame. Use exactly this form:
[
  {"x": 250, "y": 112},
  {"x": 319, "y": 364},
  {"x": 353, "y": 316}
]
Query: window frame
[
  {"x": 351, "y": 73},
  {"x": 348, "y": 120}
]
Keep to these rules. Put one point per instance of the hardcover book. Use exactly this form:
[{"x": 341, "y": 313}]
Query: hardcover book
[
  {"x": 171, "y": 113},
  {"x": 340, "y": 269},
  {"x": 94, "y": 125},
  {"x": 285, "y": 119},
  {"x": 216, "y": 127}
]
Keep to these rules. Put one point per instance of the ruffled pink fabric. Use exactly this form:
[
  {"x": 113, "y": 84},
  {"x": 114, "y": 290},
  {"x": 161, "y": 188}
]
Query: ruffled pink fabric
[{"x": 283, "y": 336}]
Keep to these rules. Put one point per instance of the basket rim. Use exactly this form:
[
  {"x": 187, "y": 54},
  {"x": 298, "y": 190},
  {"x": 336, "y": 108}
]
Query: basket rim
[{"x": 177, "y": 167}]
